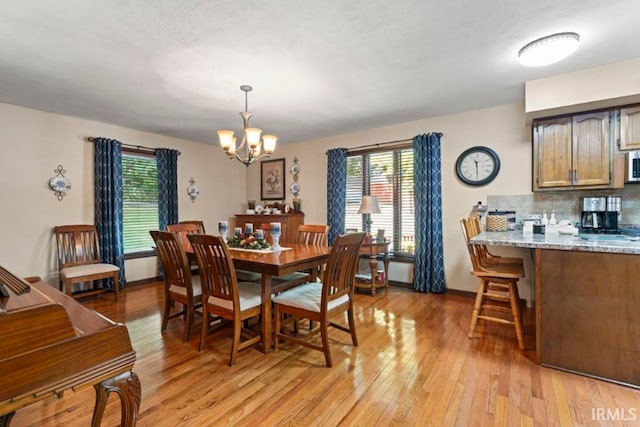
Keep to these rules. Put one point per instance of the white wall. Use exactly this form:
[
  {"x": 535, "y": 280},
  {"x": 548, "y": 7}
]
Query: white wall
[
  {"x": 603, "y": 86},
  {"x": 34, "y": 143},
  {"x": 501, "y": 128}
]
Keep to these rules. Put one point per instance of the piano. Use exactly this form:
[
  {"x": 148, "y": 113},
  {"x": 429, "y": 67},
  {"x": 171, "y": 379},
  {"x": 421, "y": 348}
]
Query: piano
[{"x": 50, "y": 343}]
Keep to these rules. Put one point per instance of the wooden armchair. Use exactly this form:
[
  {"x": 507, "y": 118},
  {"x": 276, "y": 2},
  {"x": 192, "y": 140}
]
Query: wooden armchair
[
  {"x": 79, "y": 260},
  {"x": 179, "y": 285}
]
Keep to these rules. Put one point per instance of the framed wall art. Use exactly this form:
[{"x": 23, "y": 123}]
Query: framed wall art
[{"x": 272, "y": 180}]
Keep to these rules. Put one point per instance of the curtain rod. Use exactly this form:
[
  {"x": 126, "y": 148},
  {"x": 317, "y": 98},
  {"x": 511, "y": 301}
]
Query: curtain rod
[
  {"x": 139, "y": 147},
  {"x": 382, "y": 143}
]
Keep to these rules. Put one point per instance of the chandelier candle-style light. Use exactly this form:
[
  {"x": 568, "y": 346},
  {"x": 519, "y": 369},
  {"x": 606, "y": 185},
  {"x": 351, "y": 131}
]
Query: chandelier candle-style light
[{"x": 252, "y": 147}]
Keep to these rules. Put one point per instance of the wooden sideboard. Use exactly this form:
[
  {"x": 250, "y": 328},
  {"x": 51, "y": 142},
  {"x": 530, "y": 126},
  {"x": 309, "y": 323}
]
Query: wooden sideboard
[{"x": 290, "y": 223}]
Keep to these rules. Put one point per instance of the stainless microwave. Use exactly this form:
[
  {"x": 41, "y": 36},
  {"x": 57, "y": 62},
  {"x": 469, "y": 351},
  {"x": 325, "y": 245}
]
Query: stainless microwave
[{"x": 632, "y": 167}]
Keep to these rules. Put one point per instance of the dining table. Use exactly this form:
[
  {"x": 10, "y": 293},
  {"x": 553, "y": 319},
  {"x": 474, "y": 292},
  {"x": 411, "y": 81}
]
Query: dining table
[{"x": 291, "y": 257}]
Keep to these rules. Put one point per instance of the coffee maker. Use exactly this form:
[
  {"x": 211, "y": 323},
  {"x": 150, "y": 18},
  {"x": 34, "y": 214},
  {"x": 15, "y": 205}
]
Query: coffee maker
[{"x": 598, "y": 216}]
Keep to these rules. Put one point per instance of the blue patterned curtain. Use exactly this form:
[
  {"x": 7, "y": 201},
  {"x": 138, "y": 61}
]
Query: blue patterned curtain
[
  {"x": 336, "y": 191},
  {"x": 108, "y": 204},
  {"x": 167, "y": 187},
  {"x": 427, "y": 185}
]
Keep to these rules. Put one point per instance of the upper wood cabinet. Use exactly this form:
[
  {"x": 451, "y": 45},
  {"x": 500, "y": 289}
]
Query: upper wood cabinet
[
  {"x": 630, "y": 128},
  {"x": 552, "y": 163},
  {"x": 572, "y": 152}
]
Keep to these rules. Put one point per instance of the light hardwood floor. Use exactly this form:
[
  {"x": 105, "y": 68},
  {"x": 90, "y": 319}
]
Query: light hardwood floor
[{"x": 414, "y": 367}]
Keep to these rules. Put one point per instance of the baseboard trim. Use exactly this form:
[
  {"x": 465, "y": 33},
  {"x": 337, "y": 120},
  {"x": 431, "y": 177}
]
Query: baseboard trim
[{"x": 143, "y": 281}]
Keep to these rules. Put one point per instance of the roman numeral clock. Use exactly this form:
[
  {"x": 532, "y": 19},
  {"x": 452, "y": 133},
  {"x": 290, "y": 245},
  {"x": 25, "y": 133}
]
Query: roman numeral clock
[{"x": 477, "y": 166}]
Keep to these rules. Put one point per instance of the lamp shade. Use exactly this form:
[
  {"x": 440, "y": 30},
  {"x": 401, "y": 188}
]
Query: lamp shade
[
  {"x": 369, "y": 205},
  {"x": 226, "y": 138}
]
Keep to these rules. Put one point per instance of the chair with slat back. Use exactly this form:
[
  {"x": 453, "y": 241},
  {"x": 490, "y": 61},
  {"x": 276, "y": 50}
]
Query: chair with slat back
[
  {"x": 200, "y": 225},
  {"x": 486, "y": 257},
  {"x": 321, "y": 301},
  {"x": 183, "y": 230},
  {"x": 313, "y": 234},
  {"x": 498, "y": 288},
  {"x": 222, "y": 295},
  {"x": 79, "y": 260},
  {"x": 308, "y": 234},
  {"x": 179, "y": 285}
]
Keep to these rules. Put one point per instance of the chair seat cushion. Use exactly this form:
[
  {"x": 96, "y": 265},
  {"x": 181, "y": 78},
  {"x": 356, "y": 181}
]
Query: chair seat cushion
[
  {"x": 195, "y": 283},
  {"x": 87, "y": 270},
  {"x": 248, "y": 276},
  {"x": 307, "y": 297},
  {"x": 250, "y": 295}
]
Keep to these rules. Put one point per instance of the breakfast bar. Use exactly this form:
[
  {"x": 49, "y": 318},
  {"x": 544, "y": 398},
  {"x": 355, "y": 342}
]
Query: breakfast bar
[{"x": 587, "y": 299}]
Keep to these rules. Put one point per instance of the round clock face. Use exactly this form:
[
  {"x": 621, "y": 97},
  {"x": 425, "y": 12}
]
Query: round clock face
[{"x": 478, "y": 166}]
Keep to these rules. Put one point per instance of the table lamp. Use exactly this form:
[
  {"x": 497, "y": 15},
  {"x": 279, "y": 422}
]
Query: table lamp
[{"x": 368, "y": 206}]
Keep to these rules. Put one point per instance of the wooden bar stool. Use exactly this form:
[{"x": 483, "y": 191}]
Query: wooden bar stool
[{"x": 498, "y": 289}]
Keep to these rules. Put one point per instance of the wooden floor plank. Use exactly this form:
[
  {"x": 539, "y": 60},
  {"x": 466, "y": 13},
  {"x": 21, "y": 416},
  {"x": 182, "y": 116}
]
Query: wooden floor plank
[{"x": 414, "y": 366}]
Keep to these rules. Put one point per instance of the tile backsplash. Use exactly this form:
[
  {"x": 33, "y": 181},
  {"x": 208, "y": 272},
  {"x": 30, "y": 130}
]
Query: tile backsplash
[{"x": 566, "y": 204}]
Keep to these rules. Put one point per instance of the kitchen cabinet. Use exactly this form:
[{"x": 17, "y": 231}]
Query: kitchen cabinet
[
  {"x": 573, "y": 152},
  {"x": 629, "y": 128},
  {"x": 289, "y": 223}
]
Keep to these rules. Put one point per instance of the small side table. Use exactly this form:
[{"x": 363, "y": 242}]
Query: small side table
[{"x": 373, "y": 249}]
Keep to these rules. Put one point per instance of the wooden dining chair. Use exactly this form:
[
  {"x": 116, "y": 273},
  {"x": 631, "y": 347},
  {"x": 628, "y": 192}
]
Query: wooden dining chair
[
  {"x": 222, "y": 295},
  {"x": 313, "y": 234},
  {"x": 200, "y": 225},
  {"x": 321, "y": 301},
  {"x": 79, "y": 260},
  {"x": 183, "y": 230},
  {"x": 498, "y": 288},
  {"x": 308, "y": 234},
  {"x": 179, "y": 284}
]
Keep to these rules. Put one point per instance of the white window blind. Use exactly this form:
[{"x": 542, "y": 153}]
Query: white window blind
[
  {"x": 388, "y": 175},
  {"x": 140, "y": 194}
]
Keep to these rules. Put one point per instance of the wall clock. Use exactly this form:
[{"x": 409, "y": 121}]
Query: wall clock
[{"x": 478, "y": 166}]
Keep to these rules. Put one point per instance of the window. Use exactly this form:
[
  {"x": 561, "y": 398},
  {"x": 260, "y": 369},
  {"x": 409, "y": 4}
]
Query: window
[
  {"x": 388, "y": 175},
  {"x": 140, "y": 204}
]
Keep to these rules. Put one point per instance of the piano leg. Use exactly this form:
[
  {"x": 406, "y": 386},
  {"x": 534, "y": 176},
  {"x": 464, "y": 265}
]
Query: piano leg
[
  {"x": 6, "y": 419},
  {"x": 127, "y": 386}
]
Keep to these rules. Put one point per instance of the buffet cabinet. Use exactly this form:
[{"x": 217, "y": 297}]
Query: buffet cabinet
[{"x": 289, "y": 222}]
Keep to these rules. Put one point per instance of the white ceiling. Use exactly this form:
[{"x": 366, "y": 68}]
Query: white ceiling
[{"x": 318, "y": 68}]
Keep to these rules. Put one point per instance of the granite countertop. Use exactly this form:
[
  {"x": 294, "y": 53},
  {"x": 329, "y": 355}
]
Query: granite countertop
[{"x": 621, "y": 244}]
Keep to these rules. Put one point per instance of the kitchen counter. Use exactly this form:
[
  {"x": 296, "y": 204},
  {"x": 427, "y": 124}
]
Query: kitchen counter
[
  {"x": 586, "y": 301},
  {"x": 608, "y": 243}
]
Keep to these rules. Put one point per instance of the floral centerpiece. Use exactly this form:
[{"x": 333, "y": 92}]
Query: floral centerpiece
[{"x": 247, "y": 242}]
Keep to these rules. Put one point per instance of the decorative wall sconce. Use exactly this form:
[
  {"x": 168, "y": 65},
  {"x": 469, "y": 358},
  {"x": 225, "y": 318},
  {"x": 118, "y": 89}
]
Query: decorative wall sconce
[
  {"x": 192, "y": 190},
  {"x": 59, "y": 183}
]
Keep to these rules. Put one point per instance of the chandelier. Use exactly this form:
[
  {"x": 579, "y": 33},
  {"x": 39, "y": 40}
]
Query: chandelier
[{"x": 252, "y": 146}]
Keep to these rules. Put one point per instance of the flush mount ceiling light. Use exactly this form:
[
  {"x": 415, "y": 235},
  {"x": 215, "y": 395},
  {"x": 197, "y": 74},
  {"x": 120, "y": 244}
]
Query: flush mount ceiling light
[
  {"x": 251, "y": 146},
  {"x": 549, "y": 49}
]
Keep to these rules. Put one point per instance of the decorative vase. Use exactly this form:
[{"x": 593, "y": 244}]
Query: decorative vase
[{"x": 276, "y": 242}]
